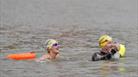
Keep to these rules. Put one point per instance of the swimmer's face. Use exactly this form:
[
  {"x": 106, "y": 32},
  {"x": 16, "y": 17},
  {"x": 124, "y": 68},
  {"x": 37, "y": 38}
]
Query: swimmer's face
[{"x": 55, "y": 48}]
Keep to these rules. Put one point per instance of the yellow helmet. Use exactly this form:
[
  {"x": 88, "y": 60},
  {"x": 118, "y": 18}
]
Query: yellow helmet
[
  {"x": 103, "y": 40},
  {"x": 49, "y": 43}
]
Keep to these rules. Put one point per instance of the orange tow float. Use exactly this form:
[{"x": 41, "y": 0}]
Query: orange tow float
[{"x": 22, "y": 56}]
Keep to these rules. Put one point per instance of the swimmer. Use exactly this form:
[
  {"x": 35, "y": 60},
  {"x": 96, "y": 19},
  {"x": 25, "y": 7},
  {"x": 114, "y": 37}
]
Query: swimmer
[
  {"x": 52, "y": 48},
  {"x": 109, "y": 49}
]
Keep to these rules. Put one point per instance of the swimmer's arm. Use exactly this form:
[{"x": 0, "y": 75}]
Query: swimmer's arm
[
  {"x": 98, "y": 56},
  {"x": 42, "y": 58},
  {"x": 104, "y": 50}
]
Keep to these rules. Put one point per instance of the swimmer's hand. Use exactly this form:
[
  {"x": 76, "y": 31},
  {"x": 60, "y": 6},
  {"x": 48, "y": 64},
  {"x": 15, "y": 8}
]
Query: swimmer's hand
[
  {"x": 113, "y": 51},
  {"x": 109, "y": 55}
]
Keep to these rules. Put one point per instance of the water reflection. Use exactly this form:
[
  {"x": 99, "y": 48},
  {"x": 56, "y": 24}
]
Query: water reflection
[{"x": 111, "y": 67}]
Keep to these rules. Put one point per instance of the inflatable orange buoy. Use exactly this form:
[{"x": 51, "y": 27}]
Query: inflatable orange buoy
[{"x": 22, "y": 56}]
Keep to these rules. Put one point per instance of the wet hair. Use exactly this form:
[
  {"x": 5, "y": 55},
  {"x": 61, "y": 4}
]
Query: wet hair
[{"x": 48, "y": 50}]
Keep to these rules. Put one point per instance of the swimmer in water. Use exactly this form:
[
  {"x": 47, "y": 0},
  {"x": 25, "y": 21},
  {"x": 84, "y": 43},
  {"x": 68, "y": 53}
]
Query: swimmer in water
[
  {"x": 52, "y": 48},
  {"x": 109, "y": 49}
]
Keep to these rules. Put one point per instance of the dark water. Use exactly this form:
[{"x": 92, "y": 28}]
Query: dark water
[{"x": 77, "y": 24}]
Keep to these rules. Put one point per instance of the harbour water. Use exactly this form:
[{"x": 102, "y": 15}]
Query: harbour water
[{"x": 77, "y": 25}]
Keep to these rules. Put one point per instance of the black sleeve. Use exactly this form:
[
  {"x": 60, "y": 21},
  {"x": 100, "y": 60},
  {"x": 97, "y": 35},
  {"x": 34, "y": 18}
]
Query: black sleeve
[{"x": 97, "y": 56}]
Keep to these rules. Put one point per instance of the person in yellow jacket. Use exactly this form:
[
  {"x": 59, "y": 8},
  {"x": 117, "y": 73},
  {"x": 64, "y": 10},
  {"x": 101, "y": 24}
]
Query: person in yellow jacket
[
  {"x": 52, "y": 47},
  {"x": 109, "y": 49}
]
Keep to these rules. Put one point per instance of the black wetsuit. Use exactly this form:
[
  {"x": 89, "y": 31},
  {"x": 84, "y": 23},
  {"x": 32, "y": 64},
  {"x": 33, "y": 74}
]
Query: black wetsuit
[{"x": 103, "y": 56}]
